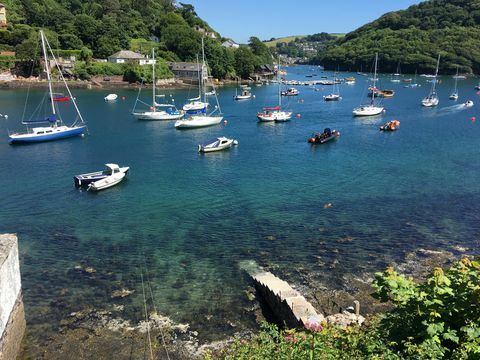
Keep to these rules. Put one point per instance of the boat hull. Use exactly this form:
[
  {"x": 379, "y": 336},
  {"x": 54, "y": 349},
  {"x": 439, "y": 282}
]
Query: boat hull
[
  {"x": 368, "y": 111},
  {"x": 86, "y": 179},
  {"x": 106, "y": 183},
  {"x": 198, "y": 122},
  {"x": 61, "y": 132},
  {"x": 158, "y": 115}
]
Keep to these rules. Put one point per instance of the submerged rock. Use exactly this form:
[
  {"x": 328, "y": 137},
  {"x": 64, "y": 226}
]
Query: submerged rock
[{"x": 122, "y": 293}]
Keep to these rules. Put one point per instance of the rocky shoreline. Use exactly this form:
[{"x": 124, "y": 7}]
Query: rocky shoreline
[{"x": 97, "y": 333}]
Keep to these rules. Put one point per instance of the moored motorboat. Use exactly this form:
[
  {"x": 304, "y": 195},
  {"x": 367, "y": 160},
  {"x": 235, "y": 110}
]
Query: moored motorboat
[
  {"x": 218, "y": 144},
  {"x": 274, "y": 114},
  {"x": 244, "y": 95},
  {"x": 290, "y": 92},
  {"x": 326, "y": 136},
  {"x": 113, "y": 179},
  {"x": 390, "y": 125},
  {"x": 86, "y": 179},
  {"x": 111, "y": 97},
  {"x": 60, "y": 97},
  {"x": 332, "y": 97},
  {"x": 197, "y": 121}
]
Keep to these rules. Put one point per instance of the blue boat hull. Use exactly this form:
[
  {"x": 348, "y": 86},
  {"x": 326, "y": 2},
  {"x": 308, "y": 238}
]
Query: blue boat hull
[{"x": 49, "y": 137}]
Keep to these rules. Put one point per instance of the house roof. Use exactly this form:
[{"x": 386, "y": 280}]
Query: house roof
[{"x": 126, "y": 54}]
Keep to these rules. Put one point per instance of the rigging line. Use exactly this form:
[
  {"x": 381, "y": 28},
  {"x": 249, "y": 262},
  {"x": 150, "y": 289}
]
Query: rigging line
[
  {"x": 29, "y": 84},
  {"x": 138, "y": 96},
  {"x": 154, "y": 306},
  {"x": 64, "y": 81},
  {"x": 146, "y": 316}
]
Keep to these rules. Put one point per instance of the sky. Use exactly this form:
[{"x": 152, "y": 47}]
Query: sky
[{"x": 267, "y": 18}]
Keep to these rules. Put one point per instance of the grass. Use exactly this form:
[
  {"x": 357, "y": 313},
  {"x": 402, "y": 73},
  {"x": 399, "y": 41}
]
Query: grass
[{"x": 288, "y": 39}]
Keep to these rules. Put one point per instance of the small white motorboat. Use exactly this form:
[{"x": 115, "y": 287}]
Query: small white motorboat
[
  {"x": 88, "y": 178},
  {"x": 111, "y": 97},
  {"x": 197, "y": 121},
  {"x": 116, "y": 177},
  {"x": 290, "y": 92},
  {"x": 274, "y": 114},
  {"x": 244, "y": 95},
  {"x": 332, "y": 97},
  {"x": 218, "y": 144},
  {"x": 468, "y": 103}
]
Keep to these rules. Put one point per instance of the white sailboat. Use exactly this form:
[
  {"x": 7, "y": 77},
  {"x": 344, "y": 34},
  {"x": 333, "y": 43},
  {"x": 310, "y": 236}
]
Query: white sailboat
[
  {"x": 396, "y": 76},
  {"x": 454, "y": 95},
  {"x": 335, "y": 95},
  {"x": 55, "y": 128},
  {"x": 275, "y": 113},
  {"x": 432, "y": 98},
  {"x": 196, "y": 105},
  {"x": 370, "y": 109},
  {"x": 167, "y": 112},
  {"x": 202, "y": 119}
]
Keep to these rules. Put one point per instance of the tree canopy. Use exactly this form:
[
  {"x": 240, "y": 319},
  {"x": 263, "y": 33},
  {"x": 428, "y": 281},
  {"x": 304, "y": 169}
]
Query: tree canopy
[{"x": 414, "y": 37}]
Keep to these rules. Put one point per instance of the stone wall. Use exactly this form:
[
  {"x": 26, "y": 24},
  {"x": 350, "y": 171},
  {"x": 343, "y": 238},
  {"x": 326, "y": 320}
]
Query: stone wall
[{"x": 12, "y": 318}]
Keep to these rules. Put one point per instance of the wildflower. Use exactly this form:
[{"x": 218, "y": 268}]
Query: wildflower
[{"x": 314, "y": 326}]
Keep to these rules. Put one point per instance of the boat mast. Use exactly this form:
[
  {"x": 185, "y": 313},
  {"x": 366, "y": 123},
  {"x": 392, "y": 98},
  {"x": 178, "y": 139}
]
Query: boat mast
[
  {"x": 47, "y": 69},
  {"x": 199, "y": 80},
  {"x": 374, "y": 79},
  {"x": 204, "y": 81},
  {"x": 456, "y": 81},
  {"x": 279, "y": 84},
  {"x": 153, "y": 76},
  {"x": 436, "y": 74}
]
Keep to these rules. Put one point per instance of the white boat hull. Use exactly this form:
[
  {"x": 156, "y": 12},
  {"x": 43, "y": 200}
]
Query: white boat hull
[
  {"x": 368, "y": 110},
  {"x": 198, "y": 122},
  {"x": 158, "y": 115},
  {"x": 108, "y": 182},
  {"x": 111, "y": 97},
  {"x": 242, "y": 97},
  {"x": 275, "y": 116},
  {"x": 430, "y": 102},
  {"x": 207, "y": 149}
]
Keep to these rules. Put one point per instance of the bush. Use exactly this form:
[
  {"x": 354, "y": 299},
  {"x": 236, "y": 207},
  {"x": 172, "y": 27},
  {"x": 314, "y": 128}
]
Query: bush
[{"x": 438, "y": 319}]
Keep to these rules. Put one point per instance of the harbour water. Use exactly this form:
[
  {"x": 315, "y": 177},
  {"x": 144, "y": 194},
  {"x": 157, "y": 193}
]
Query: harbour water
[{"x": 191, "y": 218}]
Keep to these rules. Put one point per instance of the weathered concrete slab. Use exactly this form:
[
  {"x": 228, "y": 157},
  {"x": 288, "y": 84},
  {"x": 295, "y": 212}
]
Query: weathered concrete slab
[
  {"x": 288, "y": 305},
  {"x": 12, "y": 317}
]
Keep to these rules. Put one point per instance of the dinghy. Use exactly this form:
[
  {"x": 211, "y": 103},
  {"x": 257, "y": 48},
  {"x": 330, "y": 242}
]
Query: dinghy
[
  {"x": 111, "y": 97},
  {"x": 86, "y": 179},
  {"x": 115, "y": 178},
  {"x": 218, "y": 144}
]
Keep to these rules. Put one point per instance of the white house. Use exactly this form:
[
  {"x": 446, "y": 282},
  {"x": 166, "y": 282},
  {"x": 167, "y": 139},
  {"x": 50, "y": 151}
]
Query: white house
[
  {"x": 230, "y": 44},
  {"x": 127, "y": 56}
]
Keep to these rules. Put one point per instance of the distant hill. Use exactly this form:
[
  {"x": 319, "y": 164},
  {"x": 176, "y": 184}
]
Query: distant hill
[
  {"x": 414, "y": 37},
  {"x": 288, "y": 39}
]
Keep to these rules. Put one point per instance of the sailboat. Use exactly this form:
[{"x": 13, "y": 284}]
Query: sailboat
[
  {"x": 454, "y": 95},
  {"x": 275, "y": 113},
  {"x": 370, "y": 109},
  {"x": 54, "y": 128},
  {"x": 414, "y": 83},
  {"x": 335, "y": 95},
  {"x": 396, "y": 76},
  {"x": 169, "y": 112},
  {"x": 196, "y": 105},
  {"x": 202, "y": 119},
  {"x": 432, "y": 98}
]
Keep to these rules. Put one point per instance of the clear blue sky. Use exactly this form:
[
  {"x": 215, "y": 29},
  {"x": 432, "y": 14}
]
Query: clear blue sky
[{"x": 240, "y": 19}]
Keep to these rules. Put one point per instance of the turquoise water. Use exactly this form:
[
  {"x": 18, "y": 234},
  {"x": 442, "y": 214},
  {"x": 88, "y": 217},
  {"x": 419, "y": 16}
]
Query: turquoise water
[{"x": 191, "y": 218}]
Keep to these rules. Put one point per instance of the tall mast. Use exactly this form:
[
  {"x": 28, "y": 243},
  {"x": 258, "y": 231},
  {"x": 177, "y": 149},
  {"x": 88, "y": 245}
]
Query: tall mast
[
  {"x": 47, "y": 69},
  {"x": 436, "y": 74},
  {"x": 279, "y": 83},
  {"x": 456, "y": 80},
  {"x": 374, "y": 79},
  {"x": 204, "y": 80},
  {"x": 199, "y": 80},
  {"x": 153, "y": 76}
]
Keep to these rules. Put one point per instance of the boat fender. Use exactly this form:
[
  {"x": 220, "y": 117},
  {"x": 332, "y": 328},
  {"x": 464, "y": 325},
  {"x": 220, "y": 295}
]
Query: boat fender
[
  {"x": 152, "y": 108},
  {"x": 472, "y": 119},
  {"x": 225, "y": 122},
  {"x": 299, "y": 116},
  {"x": 123, "y": 98},
  {"x": 254, "y": 96},
  {"x": 235, "y": 142}
]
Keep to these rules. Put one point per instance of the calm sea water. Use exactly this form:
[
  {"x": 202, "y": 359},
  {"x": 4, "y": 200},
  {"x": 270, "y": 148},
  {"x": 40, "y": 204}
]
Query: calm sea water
[{"x": 190, "y": 218}]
